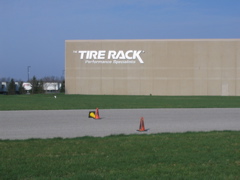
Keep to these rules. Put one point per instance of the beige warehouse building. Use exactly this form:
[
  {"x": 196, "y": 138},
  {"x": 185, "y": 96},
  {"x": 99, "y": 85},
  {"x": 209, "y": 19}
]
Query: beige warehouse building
[{"x": 158, "y": 67}]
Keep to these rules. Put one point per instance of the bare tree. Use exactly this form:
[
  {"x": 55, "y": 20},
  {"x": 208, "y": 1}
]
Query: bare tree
[
  {"x": 51, "y": 79},
  {"x": 4, "y": 79}
]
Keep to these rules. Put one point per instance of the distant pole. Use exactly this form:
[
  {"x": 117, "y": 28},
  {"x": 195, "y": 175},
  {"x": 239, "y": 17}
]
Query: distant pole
[{"x": 28, "y": 72}]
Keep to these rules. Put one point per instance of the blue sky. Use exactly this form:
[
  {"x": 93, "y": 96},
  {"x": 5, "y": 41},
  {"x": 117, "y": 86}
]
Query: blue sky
[{"x": 33, "y": 32}]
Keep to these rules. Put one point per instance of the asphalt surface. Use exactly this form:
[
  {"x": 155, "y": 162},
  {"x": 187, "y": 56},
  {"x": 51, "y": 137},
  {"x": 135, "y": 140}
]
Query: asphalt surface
[{"x": 75, "y": 123}]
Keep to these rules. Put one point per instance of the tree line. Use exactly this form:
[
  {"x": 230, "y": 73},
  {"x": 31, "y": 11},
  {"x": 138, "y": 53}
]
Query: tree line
[{"x": 37, "y": 85}]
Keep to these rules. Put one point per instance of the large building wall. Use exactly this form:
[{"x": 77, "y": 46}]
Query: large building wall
[{"x": 170, "y": 67}]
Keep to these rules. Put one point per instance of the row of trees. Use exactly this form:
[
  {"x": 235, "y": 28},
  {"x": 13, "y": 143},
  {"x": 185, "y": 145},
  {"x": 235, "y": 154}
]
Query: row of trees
[
  {"x": 12, "y": 88},
  {"x": 37, "y": 85}
]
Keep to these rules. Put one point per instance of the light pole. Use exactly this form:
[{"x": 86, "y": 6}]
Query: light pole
[{"x": 28, "y": 72}]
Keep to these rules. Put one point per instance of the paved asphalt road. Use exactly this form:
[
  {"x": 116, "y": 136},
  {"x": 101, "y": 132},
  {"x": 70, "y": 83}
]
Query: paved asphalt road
[{"x": 75, "y": 123}]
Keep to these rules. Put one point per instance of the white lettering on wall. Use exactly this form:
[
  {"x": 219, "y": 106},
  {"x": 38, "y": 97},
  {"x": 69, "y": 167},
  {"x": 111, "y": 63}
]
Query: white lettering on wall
[{"x": 124, "y": 57}]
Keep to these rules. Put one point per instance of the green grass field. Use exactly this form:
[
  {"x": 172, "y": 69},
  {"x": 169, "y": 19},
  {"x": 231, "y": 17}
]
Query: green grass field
[
  {"x": 209, "y": 155},
  {"x": 202, "y": 155},
  {"x": 48, "y": 102}
]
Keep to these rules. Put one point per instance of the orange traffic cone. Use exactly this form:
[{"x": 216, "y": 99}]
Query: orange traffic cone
[
  {"x": 141, "y": 126},
  {"x": 97, "y": 116}
]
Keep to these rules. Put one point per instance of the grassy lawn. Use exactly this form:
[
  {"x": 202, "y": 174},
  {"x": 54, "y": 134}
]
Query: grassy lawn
[
  {"x": 191, "y": 155},
  {"x": 48, "y": 102},
  {"x": 209, "y": 155}
]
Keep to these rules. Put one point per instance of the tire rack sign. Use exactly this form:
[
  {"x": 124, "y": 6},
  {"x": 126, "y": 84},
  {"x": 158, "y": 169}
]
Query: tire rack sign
[{"x": 110, "y": 57}]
